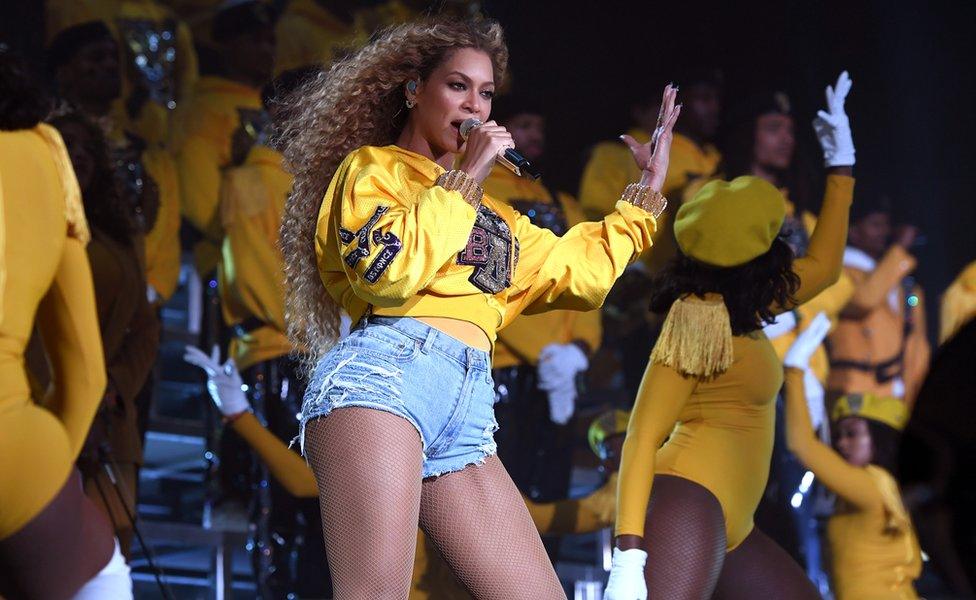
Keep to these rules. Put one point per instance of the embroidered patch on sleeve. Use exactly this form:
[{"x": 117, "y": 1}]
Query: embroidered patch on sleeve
[{"x": 390, "y": 246}]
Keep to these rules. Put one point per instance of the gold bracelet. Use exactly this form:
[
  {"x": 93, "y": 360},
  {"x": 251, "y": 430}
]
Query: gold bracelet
[
  {"x": 642, "y": 196},
  {"x": 460, "y": 181}
]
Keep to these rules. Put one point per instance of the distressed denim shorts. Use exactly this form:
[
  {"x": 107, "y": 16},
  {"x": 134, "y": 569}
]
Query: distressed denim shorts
[{"x": 439, "y": 384}]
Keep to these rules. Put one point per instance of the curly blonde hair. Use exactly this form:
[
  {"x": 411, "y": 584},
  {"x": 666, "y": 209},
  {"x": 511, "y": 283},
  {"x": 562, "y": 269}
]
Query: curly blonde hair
[{"x": 358, "y": 102}]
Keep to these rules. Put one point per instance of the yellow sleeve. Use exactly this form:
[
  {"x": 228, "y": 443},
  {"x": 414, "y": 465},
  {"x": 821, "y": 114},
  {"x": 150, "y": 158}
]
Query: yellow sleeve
[
  {"x": 68, "y": 322},
  {"x": 392, "y": 246},
  {"x": 604, "y": 178},
  {"x": 873, "y": 290},
  {"x": 821, "y": 266},
  {"x": 588, "y": 327},
  {"x": 958, "y": 303},
  {"x": 285, "y": 466},
  {"x": 830, "y": 301},
  {"x": 186, "y": 57},
  {"x": 3, "y": 252},
  {"x": 199, "y": 162},
  {"x": 252, "y": 263},
  {"x": 590, "y": 513},
  {"x": 853, "y": 484},
  {"x": 662, "y": 395},
  {"x": 163, "y": 241},
  {"x": 577, "y": 270},
  {"x": 918, "y": 352}
]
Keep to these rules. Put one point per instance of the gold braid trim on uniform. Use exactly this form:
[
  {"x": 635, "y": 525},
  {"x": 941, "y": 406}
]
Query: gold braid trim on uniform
[
  {"x": 642, "y": 196},
  {"x": 74, "y": 210},
  {"x": 460, "y": 181},
  {"x": 696, "y": 339}
]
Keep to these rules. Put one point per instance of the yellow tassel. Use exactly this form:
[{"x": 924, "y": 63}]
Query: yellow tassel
[{"x": 696, "y": 339}]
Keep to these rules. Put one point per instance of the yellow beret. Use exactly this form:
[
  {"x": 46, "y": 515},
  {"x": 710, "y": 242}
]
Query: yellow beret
[
  {"x": 884, "y": 409},
  {"x": 608, "y": 424},
  {"x": 729, "y": 223}
]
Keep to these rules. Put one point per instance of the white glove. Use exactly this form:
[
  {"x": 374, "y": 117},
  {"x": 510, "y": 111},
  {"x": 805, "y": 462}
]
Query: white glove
[
  {"x": 815, "y": 398},
  {"x": 627, "y": 575},
  {"x": 833, "y": 128},
  {"x": 558, "y": 366},
  {"x": 223, "y": 380},
  {"x": 781, "y": 325},
  {"x": 562, "y": 403},
  {"x": 798, "y": 356},
  {"x": 558, "y": 362}
]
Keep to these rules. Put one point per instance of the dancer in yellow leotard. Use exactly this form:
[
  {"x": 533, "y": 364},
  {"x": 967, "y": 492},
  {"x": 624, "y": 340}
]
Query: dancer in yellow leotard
[
  {"x": 875, "y": 554},
  {"x": 711, "y": 382},
  {"x": 52, "y": 539}
]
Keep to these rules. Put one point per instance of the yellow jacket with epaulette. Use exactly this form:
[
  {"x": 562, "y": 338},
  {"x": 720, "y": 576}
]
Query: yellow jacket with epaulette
[
  {"x": 251, "y": 269},
  {"x": 523, "y": 340},
  {"x": 391, "y": 241},
  {"x": 202, "y": 141}
]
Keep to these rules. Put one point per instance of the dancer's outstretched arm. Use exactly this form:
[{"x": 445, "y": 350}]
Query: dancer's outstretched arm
[{"x": 822, "y": 264}]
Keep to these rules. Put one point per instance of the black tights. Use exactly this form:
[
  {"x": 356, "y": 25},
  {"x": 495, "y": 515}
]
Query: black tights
[{"x": 686, "y": 559}]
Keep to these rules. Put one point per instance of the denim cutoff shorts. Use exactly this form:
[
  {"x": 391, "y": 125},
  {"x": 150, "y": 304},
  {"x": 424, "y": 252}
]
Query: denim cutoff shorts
[{"x": 439, "y": 384}]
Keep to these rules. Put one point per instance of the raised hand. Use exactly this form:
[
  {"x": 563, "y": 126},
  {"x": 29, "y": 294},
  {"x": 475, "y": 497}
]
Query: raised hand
[
  {"x": 653, "y": 157},
  {"x": 833, "y": 128},
  {"x": 223, "y": 380}
]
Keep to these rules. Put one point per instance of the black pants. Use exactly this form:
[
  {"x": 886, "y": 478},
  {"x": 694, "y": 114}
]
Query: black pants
[{"x": 287, "y": 548}]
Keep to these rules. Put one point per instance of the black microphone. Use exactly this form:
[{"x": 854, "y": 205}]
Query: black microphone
[{"x": 510, "y": 159}]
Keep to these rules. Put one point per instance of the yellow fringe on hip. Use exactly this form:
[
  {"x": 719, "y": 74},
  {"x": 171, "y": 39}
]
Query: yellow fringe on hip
[{"x": 696, "y": 339}]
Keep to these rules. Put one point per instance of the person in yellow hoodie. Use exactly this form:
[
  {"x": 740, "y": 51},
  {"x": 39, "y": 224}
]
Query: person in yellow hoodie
[
  {"x": 539, "y": 358},
  {"x": 220, "y": 108},
  {"x": 54, "y": 543},
  {"x": 155, "y": 49},
  {"x": 432, "y": 578},
  {"x": 958, "y": 303},
  {"x": 874, "y": 552},
  {"x": 252, "y": 296},
  {"x": 429, "y": 268},
  {"x": 880, "y": 345}
]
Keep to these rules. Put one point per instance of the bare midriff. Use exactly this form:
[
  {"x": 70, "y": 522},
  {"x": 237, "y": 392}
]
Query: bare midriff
[{"x": 469, "y": 333}]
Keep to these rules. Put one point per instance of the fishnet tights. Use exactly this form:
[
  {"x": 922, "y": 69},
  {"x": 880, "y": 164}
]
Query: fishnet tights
[
  {"x": 684, "y": 536},
  {"x": 686, "y": 559},
  {"x": 759, "y": 568},
  {"x": 368, "y": 465},
  {"x": 478, "y": 522}
]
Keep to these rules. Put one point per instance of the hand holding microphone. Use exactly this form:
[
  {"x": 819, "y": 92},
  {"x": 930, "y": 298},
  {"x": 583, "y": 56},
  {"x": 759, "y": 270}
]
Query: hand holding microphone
[{"x": 488, "y": 143}]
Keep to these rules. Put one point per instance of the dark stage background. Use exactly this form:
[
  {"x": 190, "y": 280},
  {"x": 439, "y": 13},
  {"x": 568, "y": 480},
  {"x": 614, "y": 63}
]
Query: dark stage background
[{"x": 912, "y": 105}]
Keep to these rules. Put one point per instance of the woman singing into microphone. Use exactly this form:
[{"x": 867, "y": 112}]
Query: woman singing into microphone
[{"x": 397, "y": 422}]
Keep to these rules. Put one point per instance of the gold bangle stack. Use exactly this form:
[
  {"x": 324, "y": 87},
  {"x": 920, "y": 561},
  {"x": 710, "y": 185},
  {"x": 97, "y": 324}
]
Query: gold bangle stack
[
  {"x": 642, "y": 196},
  {"x": 460, "y": 181}
]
